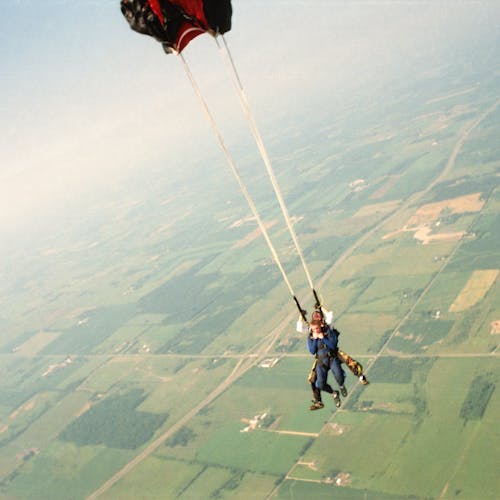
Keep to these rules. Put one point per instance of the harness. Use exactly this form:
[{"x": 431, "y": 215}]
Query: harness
[{"x": 326, "y": 355}]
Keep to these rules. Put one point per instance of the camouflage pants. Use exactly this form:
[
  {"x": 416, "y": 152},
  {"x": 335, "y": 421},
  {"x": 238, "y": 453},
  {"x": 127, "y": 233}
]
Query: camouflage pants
[
  {"x": 312, "y": 380},
  {"x": 351, "y": 363},
  {"x": 312, "y": 374}
]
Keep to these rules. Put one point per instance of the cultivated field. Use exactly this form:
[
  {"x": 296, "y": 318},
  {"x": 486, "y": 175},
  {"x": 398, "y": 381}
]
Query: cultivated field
[
  {"x": 132, "y": 356},
  {"x": 475, "y": 289}
]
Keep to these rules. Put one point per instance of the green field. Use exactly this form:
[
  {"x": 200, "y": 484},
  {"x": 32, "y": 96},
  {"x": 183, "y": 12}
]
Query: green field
[{"x": 140, "y": 333}]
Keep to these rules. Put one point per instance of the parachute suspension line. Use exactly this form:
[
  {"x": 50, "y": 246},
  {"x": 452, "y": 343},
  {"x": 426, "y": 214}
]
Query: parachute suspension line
[
  {"x": 236, "y": 173},
  {"x": 263, "y": 152}
]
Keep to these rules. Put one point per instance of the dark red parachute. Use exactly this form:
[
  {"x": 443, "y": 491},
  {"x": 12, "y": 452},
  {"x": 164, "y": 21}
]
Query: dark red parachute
[{"x": 174, "y": 23}]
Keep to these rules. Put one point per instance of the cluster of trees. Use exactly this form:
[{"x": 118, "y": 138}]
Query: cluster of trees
[
  {"x": 392, "y": 370},
  {"x": 465, "y": 185},
  {"x": 93, "y": 328},
  {"x": 477, "y": 399},
  {"x": 115, "y": 422},
  {"x": 181, "y": 437}
]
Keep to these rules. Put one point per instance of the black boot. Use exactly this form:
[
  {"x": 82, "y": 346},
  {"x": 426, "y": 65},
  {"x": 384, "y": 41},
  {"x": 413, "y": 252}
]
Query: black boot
[
  {"x": 316, "y": 405},
  {"x": 336, "y": 398}
]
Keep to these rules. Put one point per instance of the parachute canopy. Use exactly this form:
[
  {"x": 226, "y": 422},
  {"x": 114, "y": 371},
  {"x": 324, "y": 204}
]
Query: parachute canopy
[{"x": 174, "y": 23}]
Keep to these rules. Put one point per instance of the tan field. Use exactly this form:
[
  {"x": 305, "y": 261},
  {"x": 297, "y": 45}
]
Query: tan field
[
  {"x": 495, "y": 327},
  {"x": 83, "y": 409},
  {"x": 432, "y": 211},
  {"x": 36, "y": 343},
  {"x": 474, "y": 290},
  {"x": 252, "y": 236},
  {"x": 423, "y": 234},
  {"x": 377, "y": 208},
  {"x": 391, "y": 180},
  {"x": 427, "y": 215},
  {"x": 25, "y": 407}
]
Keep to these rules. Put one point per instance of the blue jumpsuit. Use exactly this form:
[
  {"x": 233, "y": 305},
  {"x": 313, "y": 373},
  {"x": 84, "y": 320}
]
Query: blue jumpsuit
[{"x": 325, "y": 351}]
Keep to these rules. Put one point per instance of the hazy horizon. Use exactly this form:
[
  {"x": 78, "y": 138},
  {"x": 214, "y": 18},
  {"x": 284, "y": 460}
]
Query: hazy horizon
[{"x": 87, "y": 101}]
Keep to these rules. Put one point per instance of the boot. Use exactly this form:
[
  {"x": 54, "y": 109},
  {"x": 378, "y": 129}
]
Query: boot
[
  {"x": 336, "y": 398},
  {"x": 317, "y": 405}
]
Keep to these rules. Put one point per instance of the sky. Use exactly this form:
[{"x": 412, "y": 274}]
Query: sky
[{"x": 85, "y": 100}]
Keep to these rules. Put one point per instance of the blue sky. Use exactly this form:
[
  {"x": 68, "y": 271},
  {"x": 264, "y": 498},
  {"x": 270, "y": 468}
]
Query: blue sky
[{"x": 85, "y": 99}]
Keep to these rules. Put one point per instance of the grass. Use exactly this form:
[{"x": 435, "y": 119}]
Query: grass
[
  {"x": 211, "y": 482},
  {"x": 183, "y": 289},
  {"x": 362, "y": 333},
  {"x": 104, "y": 377},
  {"x": 93, "y": 328},
  {"x": 261, "y": 452},
  {"x": 391, "y": 294},
  {"x": 419, "y": 333},
  {"x": 443, "y": 292},
  {"x": 397, "y": 446},
  {"x": 64, "y": 467},
  {"x": 476, "y": 472},
  {"x": 248, "y": 485},
  {"x": 306, "y": 489},
  {"x": 155, "y": 478}
]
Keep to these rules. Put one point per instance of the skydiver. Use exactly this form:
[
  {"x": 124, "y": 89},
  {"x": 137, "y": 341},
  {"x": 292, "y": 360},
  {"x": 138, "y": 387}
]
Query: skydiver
[
  {"x": 322, "y": 343},
  {"x": 326, "y": 317}
]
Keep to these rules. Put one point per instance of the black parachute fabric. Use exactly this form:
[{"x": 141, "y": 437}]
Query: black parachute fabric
[
  {"x": 174, "y": 23},
  {"x": 217, "y": 13}
]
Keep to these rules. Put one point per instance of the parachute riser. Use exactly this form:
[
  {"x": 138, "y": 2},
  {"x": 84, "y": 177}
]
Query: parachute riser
[{"x": 302, "y": 312}]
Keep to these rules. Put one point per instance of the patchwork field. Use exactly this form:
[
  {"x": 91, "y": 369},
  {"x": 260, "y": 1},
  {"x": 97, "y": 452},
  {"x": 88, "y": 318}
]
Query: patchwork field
[{"x": 152, "y": 352}]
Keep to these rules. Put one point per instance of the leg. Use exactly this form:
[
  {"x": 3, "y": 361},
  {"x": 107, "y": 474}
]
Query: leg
[
  {"x": 317, "y": 404},
  {"x": 353, "y": 365},
  {"x": 316, "y": 393},
  {"x": 337, "y": 371},
  {"x": 339, "y": 375},
  {"x": 321, "y": 377}
]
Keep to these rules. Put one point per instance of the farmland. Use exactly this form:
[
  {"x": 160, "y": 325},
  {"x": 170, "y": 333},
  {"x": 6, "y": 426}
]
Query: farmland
[{"x": 131, "y": 354}]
